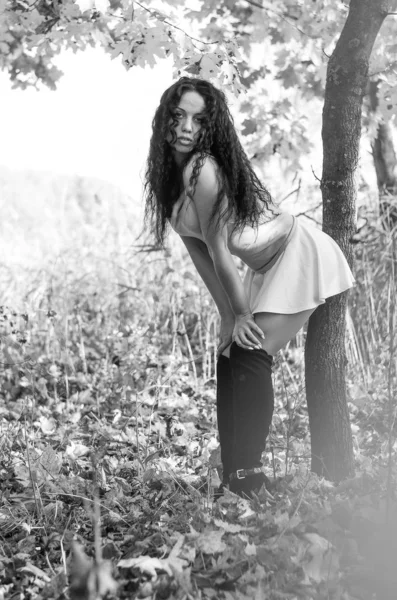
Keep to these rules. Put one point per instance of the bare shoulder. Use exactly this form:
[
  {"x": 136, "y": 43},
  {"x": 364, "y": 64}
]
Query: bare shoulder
[
  {"x": 208, "y": 176},
  {"x": 205, "y": 196}
]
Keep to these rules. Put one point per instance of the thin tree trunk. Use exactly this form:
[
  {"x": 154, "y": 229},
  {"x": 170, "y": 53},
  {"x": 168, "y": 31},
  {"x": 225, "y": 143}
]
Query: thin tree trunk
[
  {"x": 385, "y": 162},
  {"x": 325, "y": 360}
]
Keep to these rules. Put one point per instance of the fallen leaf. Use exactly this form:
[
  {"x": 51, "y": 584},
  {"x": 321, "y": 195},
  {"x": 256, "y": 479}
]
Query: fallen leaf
[
  {"x": 250, "y": 549},
  {"x": 88, "y": 580},
  {"x": 281, "y": 519},
  {"x": 173, "y": 565},
  {"x": 36, "y": 571},
  {"x": 215, "y": 458},
  {"x": 76, "y": 450},
  {"x": 209, "y": 542},
  {"x": 173, "y": 559},
  {"x": 50, "y": 462},
  {"x": 324, "y": 563},
  {"x": 47, "y": 426},
  {"x": 110, "y": 550},
  {"x": 228, "y": 527},
  {"x": 54, "y": 588},
  {"x": 146, "y": 564}
]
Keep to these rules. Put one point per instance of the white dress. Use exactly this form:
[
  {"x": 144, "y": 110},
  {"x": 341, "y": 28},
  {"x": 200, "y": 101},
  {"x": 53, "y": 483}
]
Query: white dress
[{"x": 291, "y": 266}]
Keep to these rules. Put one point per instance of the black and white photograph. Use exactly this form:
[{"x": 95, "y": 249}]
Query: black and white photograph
[{"x": 198, "y": 299}]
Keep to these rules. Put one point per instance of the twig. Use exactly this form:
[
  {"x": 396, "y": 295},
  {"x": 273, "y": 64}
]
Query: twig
[
  {"x": 295, "y": 191},
  {"x": 391, "y": 368},
  {"x": 309, "y": 217},
  {"x": 155, "y": 14},
  {"x": 147, "y": 247},
  {"x": 82, "y": 347},
  {"x": 82, "y": 498},
  {"x": 311, "y": 166},
  {"x": 63, "y": 549},
  {"x": 129, "y": 288},
  {"x": 30, "y": 471},
  {"x": 189, "y": 349},
  {"x": 253, "y": 3},
  {"x": 138, "y": 446},
  {"x": 97, "y": 527},
  {"x": 96, "y": 513},
  {"x": 66, "y": 377},
  {"x": 304, "y": 213},
  {"x": 49, "y": 564}
]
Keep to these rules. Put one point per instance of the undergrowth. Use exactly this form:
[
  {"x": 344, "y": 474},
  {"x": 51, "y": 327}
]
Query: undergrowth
[{"x": 108, "y": 433}]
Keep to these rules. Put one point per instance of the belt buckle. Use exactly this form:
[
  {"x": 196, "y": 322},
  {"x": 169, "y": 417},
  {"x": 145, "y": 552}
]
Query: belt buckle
[{"x": 238, "y": 475}]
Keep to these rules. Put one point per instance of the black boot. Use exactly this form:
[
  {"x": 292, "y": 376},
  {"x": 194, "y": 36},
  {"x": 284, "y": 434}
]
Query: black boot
[
  {"x": 253, "y": 404},
  {"x": 224, "y": 408}
]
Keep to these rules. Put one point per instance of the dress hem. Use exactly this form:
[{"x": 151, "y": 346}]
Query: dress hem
[{"x": 295, "y": 310}]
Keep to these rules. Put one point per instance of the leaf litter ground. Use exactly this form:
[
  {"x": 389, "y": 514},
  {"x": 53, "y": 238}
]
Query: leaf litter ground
[{"x": 124, "y": 472}]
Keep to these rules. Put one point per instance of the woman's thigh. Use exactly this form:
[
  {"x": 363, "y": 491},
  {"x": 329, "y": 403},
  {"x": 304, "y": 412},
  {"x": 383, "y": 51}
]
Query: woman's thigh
[{"x": 278, "y": 328}]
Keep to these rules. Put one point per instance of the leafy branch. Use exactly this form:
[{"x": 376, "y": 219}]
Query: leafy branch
[
  {"x": 157, "y": 15},
  {"x": 285, "y": 19}
]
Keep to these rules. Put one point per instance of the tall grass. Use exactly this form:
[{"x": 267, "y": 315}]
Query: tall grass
[
  {"x": 110, "y": 346},
  {"x": 96, "y": 296},
  {"x": 373, "y": 302}
]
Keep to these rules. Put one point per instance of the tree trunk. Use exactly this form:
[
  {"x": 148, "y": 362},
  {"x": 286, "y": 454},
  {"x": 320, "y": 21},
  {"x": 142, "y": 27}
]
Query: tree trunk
[
  {"x": 325, "y": 360},
  {"x": 385, "y": 162}
]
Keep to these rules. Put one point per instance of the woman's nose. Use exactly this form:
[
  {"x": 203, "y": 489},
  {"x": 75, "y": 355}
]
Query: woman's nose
[{"x": 187, "y": 124}]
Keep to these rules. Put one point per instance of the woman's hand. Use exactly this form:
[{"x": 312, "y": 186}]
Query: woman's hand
[
  {"x": 247, "y": 333},
  {"x": 225, "y": 335}
]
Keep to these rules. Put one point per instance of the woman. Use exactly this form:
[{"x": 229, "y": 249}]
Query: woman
[{"x": 199, "y": 180}]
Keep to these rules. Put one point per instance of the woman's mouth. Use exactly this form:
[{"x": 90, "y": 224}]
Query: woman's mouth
[{"x": 185, "y": 141}]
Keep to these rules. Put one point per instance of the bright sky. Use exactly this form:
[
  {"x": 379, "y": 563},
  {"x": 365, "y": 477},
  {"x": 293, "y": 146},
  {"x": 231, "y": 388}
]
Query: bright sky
[{"x": 97, "y": 123}]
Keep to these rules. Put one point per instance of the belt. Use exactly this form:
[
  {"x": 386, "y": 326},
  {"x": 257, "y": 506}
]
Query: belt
[{"x": 269, "y": 264}]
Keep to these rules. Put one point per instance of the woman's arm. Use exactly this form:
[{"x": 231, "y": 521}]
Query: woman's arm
[
  {"x": 203, "y": 262},
  {"x": 215, "y": 238}
]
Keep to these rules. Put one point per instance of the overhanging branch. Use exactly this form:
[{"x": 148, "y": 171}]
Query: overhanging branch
[
  {"x": 155, "y": 14},
  {"x": 279, "y": 14}
]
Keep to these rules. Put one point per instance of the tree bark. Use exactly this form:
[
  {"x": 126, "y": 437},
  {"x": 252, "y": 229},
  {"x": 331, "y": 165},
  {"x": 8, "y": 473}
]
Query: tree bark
[
  {"x": 385, "y": 162},
  {"x": 325, "y": 357}
]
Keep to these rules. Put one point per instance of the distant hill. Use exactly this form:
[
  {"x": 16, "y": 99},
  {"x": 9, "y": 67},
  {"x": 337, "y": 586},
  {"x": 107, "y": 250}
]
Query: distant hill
[
  {"x": 44, "y": 215},
  {"x": 33, "y": 192}
]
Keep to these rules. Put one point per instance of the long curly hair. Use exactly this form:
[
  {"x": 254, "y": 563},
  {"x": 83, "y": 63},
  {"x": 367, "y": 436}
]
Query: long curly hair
[{"x": 247, "y": 197}]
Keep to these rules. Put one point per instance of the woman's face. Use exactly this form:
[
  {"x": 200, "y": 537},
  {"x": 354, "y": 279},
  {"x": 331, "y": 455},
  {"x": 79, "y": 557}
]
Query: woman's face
[{"x": 189, "y": 115}]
